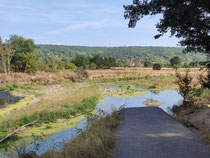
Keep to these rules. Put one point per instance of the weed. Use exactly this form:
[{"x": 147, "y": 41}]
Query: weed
[{"x": 96, "y": 141}]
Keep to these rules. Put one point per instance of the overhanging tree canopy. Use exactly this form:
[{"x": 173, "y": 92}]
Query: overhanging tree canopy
[{"x": 188, "y": 20}]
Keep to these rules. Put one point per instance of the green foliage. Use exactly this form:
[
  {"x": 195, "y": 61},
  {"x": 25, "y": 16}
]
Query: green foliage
[
  {"x": 124, "y": 63},
  {"x": 68, "y": 64},
  {"x": 92, "y": 66},
  {"x": 81, "y": 61},
  {"x": 31, "y": 62},
  {"x": 186, "y": 86},
  {"x": 194, "y": 64},
  {"x": 103, "y": 62},
  {"x": 176, "y": 62},
  {"x": 148, "y": 63},
  {"x": 122, "y": 54},
  {"x": 157, "y": 66},
  {"x": 193, "y": 32},
  {"x": 9, "y": 87},
  {"x": 24, "y": 59},
  {"x": 21, "y": 45}
]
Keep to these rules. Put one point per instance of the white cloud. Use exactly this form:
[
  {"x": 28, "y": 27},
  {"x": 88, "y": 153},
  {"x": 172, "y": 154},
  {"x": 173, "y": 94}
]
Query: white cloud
[{"x": 87, "y": 25}]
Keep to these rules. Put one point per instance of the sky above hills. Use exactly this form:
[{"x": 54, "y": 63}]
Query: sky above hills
[{"x": 77, "y": 22}]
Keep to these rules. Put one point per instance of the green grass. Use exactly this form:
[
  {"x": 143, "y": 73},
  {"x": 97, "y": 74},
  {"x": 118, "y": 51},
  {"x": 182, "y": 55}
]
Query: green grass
[
  {"x": 9, "y": 87},
  {"x": 104, "y": 80}
]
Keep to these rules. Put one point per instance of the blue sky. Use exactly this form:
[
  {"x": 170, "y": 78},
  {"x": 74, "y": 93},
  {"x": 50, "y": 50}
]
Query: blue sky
[{"x": 77, "y": 22}]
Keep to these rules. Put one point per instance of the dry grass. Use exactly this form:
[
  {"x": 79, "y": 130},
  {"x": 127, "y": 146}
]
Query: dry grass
[
  {"x": 196, "y": 114},
  {"x": 96, "y": 141},
  {"x": 134, "y": 72},
  {"x": 56, "y": 77},
  {"x": 39, "y": 77}
]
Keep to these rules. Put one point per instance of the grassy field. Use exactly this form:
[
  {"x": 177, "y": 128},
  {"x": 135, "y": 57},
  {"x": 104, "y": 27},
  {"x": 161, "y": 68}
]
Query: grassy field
[
  {"x": 38, "y": 77},
  {"x": 136, "y": 72}
]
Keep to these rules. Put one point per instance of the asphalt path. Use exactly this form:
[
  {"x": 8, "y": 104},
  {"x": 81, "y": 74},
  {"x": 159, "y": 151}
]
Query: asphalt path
[{"x": 149, "y": 132}]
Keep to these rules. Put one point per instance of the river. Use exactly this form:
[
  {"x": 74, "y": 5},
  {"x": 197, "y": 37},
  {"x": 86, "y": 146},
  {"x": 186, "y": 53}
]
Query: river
[{"x": 167, "y": 98}]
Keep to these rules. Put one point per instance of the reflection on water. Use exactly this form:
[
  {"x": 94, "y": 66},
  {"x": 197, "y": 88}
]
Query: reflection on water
[
  {"x": 6, "y": 98},
  {"x": 167, "y": 98}
]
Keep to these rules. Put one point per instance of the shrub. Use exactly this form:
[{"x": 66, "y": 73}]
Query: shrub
[
  {"x": 92, "y": 66},
  {"x": 70, "y": 66},
  {"x": 148, "y": 63},
  {"x": 186, "y": 87},
  {"x": 157, "y": 66},
  {"x": 176, "y": 62}
]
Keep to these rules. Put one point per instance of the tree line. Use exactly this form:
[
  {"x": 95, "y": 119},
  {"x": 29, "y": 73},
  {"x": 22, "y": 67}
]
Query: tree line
[
  {"x": 19, "y": 54},
  {"x": 134, "y": 53}
]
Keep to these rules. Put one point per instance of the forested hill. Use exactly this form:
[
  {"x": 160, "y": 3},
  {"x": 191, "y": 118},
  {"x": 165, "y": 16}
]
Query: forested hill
[{"x": 155, "y": 54}]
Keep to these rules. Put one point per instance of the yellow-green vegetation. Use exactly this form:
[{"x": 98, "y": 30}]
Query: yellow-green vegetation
[
  {"x": 96, "y": 141},
  {"x": 51, "y": 128},
  {"x": 153, "y": 83},
  {"x": 129, "y": 94},
  {"x": 102, "y": 99},
  {"x": 17, "y": 106}
]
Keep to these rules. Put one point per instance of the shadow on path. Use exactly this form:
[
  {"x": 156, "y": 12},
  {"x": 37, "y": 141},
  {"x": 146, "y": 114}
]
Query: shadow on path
[{"x": 149, "y": 132}]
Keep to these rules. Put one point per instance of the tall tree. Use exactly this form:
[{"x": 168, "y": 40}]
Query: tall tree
[
  {"x": 188, "y": 20},
  {"x": 81, "y": 61},
  {"x": 176, "y": 62},
  {"x": 23, "y": 49}
]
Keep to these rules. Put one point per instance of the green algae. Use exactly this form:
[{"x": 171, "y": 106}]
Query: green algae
[
  {"x": 129, "y": 94},
  {"x": 16, "y": 106}
]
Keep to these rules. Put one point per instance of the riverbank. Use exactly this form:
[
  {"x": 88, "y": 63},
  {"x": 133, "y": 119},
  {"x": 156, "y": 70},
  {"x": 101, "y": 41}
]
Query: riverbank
[
  {"x": 57, "y": 102},
  {"x": 57, "y": 105},
  {"x": 196, "y": 114},
  {"x": 96, "y": 141}
]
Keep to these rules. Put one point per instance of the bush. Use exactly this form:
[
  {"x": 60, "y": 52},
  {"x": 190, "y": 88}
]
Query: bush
[
  {"x": 92, "y": 66},
  {"x": 70, "y": 66},
  {"x": 157, "y": 66},
  {"x": 176, "y": 62},
  {"x": 148, "y": 63}
]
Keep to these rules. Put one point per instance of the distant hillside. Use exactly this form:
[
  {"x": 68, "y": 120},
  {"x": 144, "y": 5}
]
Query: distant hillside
[{"x": 155, "y": 54}]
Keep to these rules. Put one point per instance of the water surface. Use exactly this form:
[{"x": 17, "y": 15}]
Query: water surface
[
  {"x": 167, "y": 98},
  {"x": 6, "y": 98}
]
